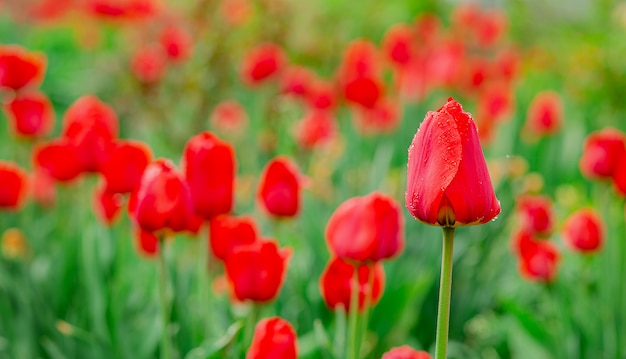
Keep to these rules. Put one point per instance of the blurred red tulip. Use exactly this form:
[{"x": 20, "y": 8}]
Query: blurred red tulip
[
  {"x": 20, "y": 68},
  {"x": 122, "y": 9},
  {"x": 445, "y": 62},
  {"x": 337, "y": 281},
  {"x": 147, "y": 243},
  {"x": 43, "y": 188},
  {"x": 583, "y": 231},
  {"x": 30, "y": 114},
  {"x": 148, "y": 63},
  {"x": 107, "y": 204},
  {"x": 536, "y": 214},
  {"x": 398, "y": 45},
  {"x": 490, "y": 28},
  {"x": 359, "y": 74},
  {"x": 257, "y": 271},
  {"x": 368, "y": 228},
  {"x": 210, "y": 167},
  {"x": 229, "y": 117},
  {"x": 602, "y": 152},
  {"x": 465, "y": 16},
  {"x": 280, "y": 187},
  {"x": 236, "y": 12},
  {"x": 405, "y": 352},
  {"x": 523, "y": 241},
  {"x": 364, "y": 91},
  {"x": 507, "y": 64},
  {"x": 437, "y": 185},
  {"x": 58, "y": 159},
  {"x": 545, "y": 114},
  {"x": 274, "y": 338},
  {"x": 48, "y": 10},
  {"x": 262, "y": 63},
  {"x": 123, "y": 168},
  {"x": 315, "y": 129},
  {"x": 495, "y": 101},
  {"x": 176, "y": 41},
  {"x": 321, "y": 95},
  {"x": 162, "y": 199},
  {"x": 296, "y": 80},
  {"x": 427, "y": 28},
  {"x": 540, "y": 262},
  {"x": 475, "y": 73},
  {"x": 227, "y": 233},
  {"x": 14, "y": 185},
  {"x": 384, "y": 117}
]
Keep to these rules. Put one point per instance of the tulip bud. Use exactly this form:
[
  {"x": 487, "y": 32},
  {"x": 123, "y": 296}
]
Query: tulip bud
[
  {"x": 227, "y": 233},
  {"x": 602, "y": 152},
  {"x": 13, "y": 186},
  {"x": 540, "y": 262},
  {"x": 583, "y": 231},
  {"x": 280, "y": 188},
  {"x": 405, "y": 352},
  {"x": 273, "y": 338},
  {"x": 30, "y": 114},
  {"x": 20, "y": 68}
]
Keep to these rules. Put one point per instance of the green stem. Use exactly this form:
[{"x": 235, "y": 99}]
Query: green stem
[
  {"x": 165, "y": 340},
  {"x": 205, "y": 279},
  {"x": 354, "y": 346},
  {"x": 445, "y": 286},
  {"x": 364, "y": 323},
  {"x": 251, "y": 321}
]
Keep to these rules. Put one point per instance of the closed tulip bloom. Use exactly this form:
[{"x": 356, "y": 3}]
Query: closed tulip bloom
[
  {"x": 176, "y": 41},
  {"x": 545, "y": 114},
  {"x": 256, "y": 272},
  {"x": 337, "y": 281},
  {"x": 162, "y": 199},
  {"x": 280, "y": 187},
  {"x": 602, "y": 152},
  {"x": 123, "y": 169},
  {"x": 448, "y": 182},
  {"x": 274, "y": 338},
  {"x": 14, "y": 185},
  {"x": 149, "y": 63},
  {"x": 107, "y": 205},
  {"x": 405, "y": 352},
  {"x": 296, "y": 81},
  {"x": 536, "y": 214},
  {"x": 263, "y": 63},
  {"x": 315, "y": 129},
  {"x": 368, "y": 228},
  {"x": 20, "y": 68},
  {"x": 229, "y": 117},
  {"x": 227, "y": 233},
  {"x": 399, "y": 45},
  {"x": 540, "y": 262},
  {"x": 209, "y": 166},
  {"x": 30, "y": 114},
  {"x": 583, "y": 231},
  {"x": 58, "y": 159}
]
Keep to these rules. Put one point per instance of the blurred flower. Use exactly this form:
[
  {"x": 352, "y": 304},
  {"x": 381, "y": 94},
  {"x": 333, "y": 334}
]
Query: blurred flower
[
  {"x": 43, "y": 189},
  {"x": 540, "y": 262},
  {"x": 162, "y": 199},
  {"x": 176, "y": 42},
  {"x": 364, "y": 91},
  {"x": 321, "y": 95},
  {"x": 20, "y": 68},
  {"x": 445, "y": 62},
  {"x": 280, "y": 187},
  {"x": 315, "y": 129},
  {"x": 583, "y": 231},
  {"x": 437, "y": 185},
  {"x": 368, "y": 228},
  {"x": 107, "y": 204},
  {"x": 274, "y": 338},
  {"x": 337, "y": 281},
  {"x": 58, "y": 159},
  {"x": 523, "y": 241},
  {"x": 235, "y": 12},
  {"x": 490, "y": 27},
  {"x": 210, "y": 168},
  {"x": 475, "y": 73},
  {"x": 496, "y": 101},
  {"x": 405, "y": 352},
  {"x": 229, "y": 117},
  {"x": 296, "y": 81},
  {"x": 359, "y": 74},
  {"x": 147, "y": 242},
  {"x": 122, "y": 9},
  {"x": 545, "y": 114},
  {"x": 14, "y": 185},
  {"x": 384, "y": 117},
  {"x": 427, "y": 29},
  {"x": 398, "y": 45},
  {"x": 535, "y": 213},
  {"x": 602, "y": 153},
  {"x": 123, "y": 168},
  {"x": 262, "y": 63},
  {"x": 148, "y": 63},
  {"x": 507, "y": 64},
  {"x": 227, "y": 233},
  {"x": 14, "y": 244},
  {"x": 257, "y": 271},
  {"x": 30, "y": 114}
]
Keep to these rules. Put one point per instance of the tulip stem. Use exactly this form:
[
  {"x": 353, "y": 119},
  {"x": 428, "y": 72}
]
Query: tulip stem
[
  {"x": 165, "y": 340},
  {"x": 354, "y": 345},
  {"x": 445, "y": 286}
]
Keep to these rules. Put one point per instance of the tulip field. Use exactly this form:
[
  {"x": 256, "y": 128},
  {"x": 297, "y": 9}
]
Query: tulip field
[{"x": 281, "y": 179}]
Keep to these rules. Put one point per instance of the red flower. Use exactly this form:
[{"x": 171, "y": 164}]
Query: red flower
[
  {"x": 107, "y": 204},
  {"x": 448, "y": 182},
  {"x": 359, "y": 76},
  {"x": 427, "y": 28},
  {"x": 257, "y": 271},
  {"x": 58, "y": 159},
  {"x": 398, "y": 45},
  {"x": 523, "y": 241},
  {"x": 545, "y": 114},
  {"x": 43, "y": 191},
  {"x": 490, "y": 28},
  {"x": 14, "y": 185},
  {"x": 602, "y": 152},
  {"x": 209, "y": 165},
  {"x": 405, "y": 352},
  {"x": 90, "y": 126},
  {"x": 176, "y": 41},
  {"x": 227, "y": 233},
  {"x": 368, "y": 228},
  {"x": 20, "y": 68},
  {"x": 445, "y": 62},
  {"x": 337, "y": 281},
  {"x": 229, "y": 117},
  {"x": 123, "y": 169},
  {"x": 124, "y": 9},
  {"x": 496, "y": 102},
  {"x": 148, "y": 63},
  {"x": 536, "y": 214},
  {"x": 321, "y": 95},
  {"x": 30, "y": 114},
  {"x": 162, "y": 199},
  {"x": 274, "y": 338},
  {"x": 147, "y": 243},
  {"x": 384, "y": 117},
  {"x": 280, "y": 187},
  {"x": 540, "y": 262},
  {"x": 315, "y": 129},
  {"x": 296, "y": 80},
  {"x": 262, "y": 63},
  {"x": 583, "y": 231},
  {"x": 364, "y": 91}
]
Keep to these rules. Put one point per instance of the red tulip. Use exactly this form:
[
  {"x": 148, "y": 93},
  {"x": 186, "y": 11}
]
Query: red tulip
[
  {"x": 602, "y": 153},
  {"x": 30, "y": 114},
  {"x": 227, "y": 233},
  {"x": 90, "y": 126},
  {"x": 124, "y": 9},
  {"x": 162, "y": 199},
  {"x": 262, "y": 63},
  {"x": 359, "y": 74},
  {"x": 123, "y": 169},
  {"x": 448, "y": 182},
  {"x": 545, "y": 114},
  {"x": 523, "y": 241},
  {"x": 490, "y": 28},
  {"x": 583, "y": 231},
  {"x": 274, "y": 338},
  {"x": 321, "y": 95},
  {"x": 229, "y": 117},
  {"x": 495, "y": 101},
  {"x": 107, "y": 204},
  {"x": 147, "y": 243},
  {"x": 257, "y": 271},
  {"x": 619, "y": 175},
  {"x": 540, "y": 263},
  {"x": 445, "y": 62},
  {"x": 398, "y": 45},
  {"x": 280, "y": 187},
  {"x": 427, "y": 28},
  {"x": 364, "y": 91},
  {"x": 20, "y": 68},
  {"x": 337, "y": 281},
  {"x": 315, "y": 129},
  {"x": 368, "y": 228},
  {"x": 176, "y": 41},
  {"x": 209, "y": 165},
  {"x": 149, "y": 63},
  {"x": 536, "y": 214},
  {"x": 14, "y": 185},
  {"x": 405, "y": 352},
  {"x": 296, "y": 80},
  {"x": 58, "y": 159}
]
